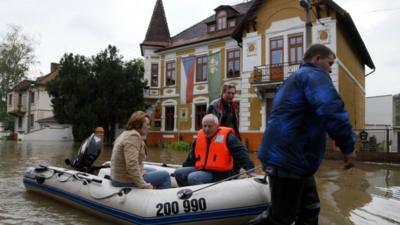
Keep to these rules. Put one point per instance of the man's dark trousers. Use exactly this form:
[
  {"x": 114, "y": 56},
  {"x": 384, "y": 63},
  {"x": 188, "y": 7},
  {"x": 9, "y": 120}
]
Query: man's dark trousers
[{"x": 294, "y": 199}]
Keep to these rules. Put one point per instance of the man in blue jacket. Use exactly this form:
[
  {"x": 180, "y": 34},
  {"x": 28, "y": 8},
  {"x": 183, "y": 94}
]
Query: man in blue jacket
[{"x": 305, "y": 108}]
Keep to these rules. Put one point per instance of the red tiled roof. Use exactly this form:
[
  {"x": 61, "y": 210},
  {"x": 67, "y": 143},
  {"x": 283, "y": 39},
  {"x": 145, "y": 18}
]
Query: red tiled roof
[
  {"x": 22, "y": 85},
  {"x": 42, "y": 80}
]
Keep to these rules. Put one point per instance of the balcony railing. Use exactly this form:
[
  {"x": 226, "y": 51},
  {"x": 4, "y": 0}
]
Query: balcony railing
[
  {"x": 17, "y": 105},
  {"x": 273, "y": 72},
  {"x": 16, "y": 109}
]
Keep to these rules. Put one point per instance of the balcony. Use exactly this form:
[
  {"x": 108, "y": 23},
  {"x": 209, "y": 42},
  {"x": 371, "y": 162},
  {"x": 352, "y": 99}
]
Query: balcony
[
  {"x": 16, "y": 104},
  {"x": 151, "y": 92},
  {"x": 266, "y": 78},
  {"x": 273, "y": 73},
  {"x": 16, "y": 109}
]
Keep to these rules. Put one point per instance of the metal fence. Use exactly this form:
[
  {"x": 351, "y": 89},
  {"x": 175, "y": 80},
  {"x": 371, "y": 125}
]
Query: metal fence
[{"x": 379, "y": 139}]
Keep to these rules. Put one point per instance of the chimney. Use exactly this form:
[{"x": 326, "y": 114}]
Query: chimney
[{"x": 54, "y": 67}]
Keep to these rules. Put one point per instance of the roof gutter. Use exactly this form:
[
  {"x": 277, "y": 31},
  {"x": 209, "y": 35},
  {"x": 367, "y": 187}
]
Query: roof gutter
[{"x": 373, "y": 70}]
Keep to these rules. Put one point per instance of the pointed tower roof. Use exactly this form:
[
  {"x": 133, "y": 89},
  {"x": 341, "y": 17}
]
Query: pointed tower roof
[{"x": 158, "y": 32}]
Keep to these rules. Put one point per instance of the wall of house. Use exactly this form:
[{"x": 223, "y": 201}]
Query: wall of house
[
  {"x": 43, "y": 99},
  {"x": 281, "y": 18},
  {"x": 170, "y": 96},
  {"x": 40, "y": 108},
  {"x": 351, "y": 80},
  {"x": 24, "y": 121},
  {"x": 251, "y": 106},
  {"x": 51, "y": 133},
  {"x": 274, "y": 18},
  {"x": 272, "y": 11}
]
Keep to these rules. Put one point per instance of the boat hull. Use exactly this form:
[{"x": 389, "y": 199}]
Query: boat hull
[{"x": 232, "y": 202}]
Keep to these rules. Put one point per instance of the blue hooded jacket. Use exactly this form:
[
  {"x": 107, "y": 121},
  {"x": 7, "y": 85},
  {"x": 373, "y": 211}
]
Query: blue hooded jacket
[{"x": 305, "y": 107}]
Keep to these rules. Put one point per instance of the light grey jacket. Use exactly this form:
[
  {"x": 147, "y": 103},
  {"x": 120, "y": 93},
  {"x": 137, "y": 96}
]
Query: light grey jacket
[{"x": 127, "y": 158}]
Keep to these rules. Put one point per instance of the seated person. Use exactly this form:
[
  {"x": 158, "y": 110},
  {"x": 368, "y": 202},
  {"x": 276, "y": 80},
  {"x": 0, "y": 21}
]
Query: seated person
[
  {"x": 215, "y": 155},
  {"x": 128, "y": 154}
]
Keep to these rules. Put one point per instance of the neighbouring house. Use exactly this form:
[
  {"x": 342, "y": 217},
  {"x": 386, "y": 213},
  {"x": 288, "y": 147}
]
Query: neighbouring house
[
  {"x": 3, "y": 132},
  {"x": 253, "y": 45},
  {"x": 30, "y": 104},
  {"x": 380, "y": 124}
]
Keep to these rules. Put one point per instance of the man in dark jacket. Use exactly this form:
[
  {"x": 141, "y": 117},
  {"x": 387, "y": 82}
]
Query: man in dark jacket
[
  {"x": 215, "y": 155},
  {"x": 305, "y": 107},
  {"x": 225, "y": 109}
]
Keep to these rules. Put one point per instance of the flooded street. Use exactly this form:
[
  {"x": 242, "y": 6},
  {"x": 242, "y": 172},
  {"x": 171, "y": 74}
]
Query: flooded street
[{"x": 368, "y": 194}]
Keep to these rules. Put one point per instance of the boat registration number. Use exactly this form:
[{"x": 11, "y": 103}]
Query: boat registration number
[{"x": 171, "y": 208}]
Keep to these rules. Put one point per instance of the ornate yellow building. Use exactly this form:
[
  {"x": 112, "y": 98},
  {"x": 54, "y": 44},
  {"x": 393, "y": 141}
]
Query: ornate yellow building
[{"x": 255, "y": 46}]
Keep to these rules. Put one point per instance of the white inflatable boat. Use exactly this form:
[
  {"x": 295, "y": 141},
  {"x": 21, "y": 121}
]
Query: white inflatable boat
[{"x": 229, "y": 202}]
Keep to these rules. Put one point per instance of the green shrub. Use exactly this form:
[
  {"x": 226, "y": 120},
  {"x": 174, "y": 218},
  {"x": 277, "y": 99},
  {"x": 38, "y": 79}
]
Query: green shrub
[{"x": 180, "y": 146}]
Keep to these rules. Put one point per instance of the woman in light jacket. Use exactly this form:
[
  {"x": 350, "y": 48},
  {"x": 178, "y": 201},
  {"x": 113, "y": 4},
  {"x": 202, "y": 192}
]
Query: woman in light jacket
[{"x": 128, "y": 155}]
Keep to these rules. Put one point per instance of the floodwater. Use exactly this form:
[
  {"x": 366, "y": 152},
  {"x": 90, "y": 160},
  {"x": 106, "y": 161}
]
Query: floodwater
[{"x": 367, "y": 194}]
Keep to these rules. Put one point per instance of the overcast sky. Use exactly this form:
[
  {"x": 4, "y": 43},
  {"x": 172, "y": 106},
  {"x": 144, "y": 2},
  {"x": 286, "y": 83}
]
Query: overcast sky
[{"x": 87, "y": 26}]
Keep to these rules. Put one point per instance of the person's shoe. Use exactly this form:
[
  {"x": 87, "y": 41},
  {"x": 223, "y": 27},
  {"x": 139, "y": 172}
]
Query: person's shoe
[{"x": 260, "y": 219}]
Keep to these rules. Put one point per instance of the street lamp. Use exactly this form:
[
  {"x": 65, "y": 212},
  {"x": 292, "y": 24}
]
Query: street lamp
[{"x": 307, "y": 9}]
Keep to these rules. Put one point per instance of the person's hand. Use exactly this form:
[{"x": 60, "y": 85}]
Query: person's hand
[
  {"x": 350, "y": 160},
  {"x": 252, "y": 174},
  {"x": 148, "y": 186}
]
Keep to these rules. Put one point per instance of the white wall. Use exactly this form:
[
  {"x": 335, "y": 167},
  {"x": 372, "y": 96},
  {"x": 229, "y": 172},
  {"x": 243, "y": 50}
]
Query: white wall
[
  {"x": 49, "y": 134},
  {"x": 43, "y": 99},
  {"x": 379, "y": 110},
  {"x": 251, "y": 58}
]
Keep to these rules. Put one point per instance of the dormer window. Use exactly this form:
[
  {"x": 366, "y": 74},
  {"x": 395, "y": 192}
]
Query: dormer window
[
  {"x": 211, "y": 28},
  {"x": 221, "y": 20}
]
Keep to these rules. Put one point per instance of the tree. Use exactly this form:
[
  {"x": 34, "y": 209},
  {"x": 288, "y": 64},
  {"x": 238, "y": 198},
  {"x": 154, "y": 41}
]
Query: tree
[
  {"x": 16, "y": 56},
  {"x": 397, "y": 105},
  {"x": 119, "y": 89},
  {"x": 71, "y": 91},
  {"x": 100, "y": 91}
]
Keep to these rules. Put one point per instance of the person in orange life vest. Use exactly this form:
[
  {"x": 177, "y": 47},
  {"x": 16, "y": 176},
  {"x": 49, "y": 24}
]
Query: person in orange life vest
[
  {"x": 213, "y": 155},
  {"x": 226, "y": 110}
]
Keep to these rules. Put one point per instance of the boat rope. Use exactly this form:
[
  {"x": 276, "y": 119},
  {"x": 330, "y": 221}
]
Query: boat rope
[
  {"x": 41, "y": 178},
  {"x": 63, "y": 180},
  {"x": 80, "y": 176},
  {"x": 120, "y": 193},
  {"x": 187, "y": 193},
  {"x": 83, "y": 177}
]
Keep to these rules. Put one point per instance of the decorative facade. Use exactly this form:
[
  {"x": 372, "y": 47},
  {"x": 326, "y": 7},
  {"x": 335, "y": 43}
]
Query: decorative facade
[{"x": 255, "y": 46}]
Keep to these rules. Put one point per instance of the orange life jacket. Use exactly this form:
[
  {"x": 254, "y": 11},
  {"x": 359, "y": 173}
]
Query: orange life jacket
[{"x": 217, "y": 157}]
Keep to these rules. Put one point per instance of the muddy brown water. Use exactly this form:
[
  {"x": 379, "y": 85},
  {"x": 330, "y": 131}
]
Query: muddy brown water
[{"x": 367, "y": 194}]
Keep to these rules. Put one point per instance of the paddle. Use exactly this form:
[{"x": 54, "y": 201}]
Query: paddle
[{"x": 187, "y": 193}]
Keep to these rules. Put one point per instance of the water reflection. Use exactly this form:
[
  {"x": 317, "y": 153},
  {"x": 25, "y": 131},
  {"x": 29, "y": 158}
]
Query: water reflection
[
  {"x": 369, "y": 194},
  {"x": 354, "y": 197},
  {"x": 341, "y": 192}
]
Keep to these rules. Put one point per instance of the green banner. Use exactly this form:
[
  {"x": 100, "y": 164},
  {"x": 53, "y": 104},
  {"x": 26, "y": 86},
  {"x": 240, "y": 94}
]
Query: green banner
[{"x": 214, "y": 76}]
